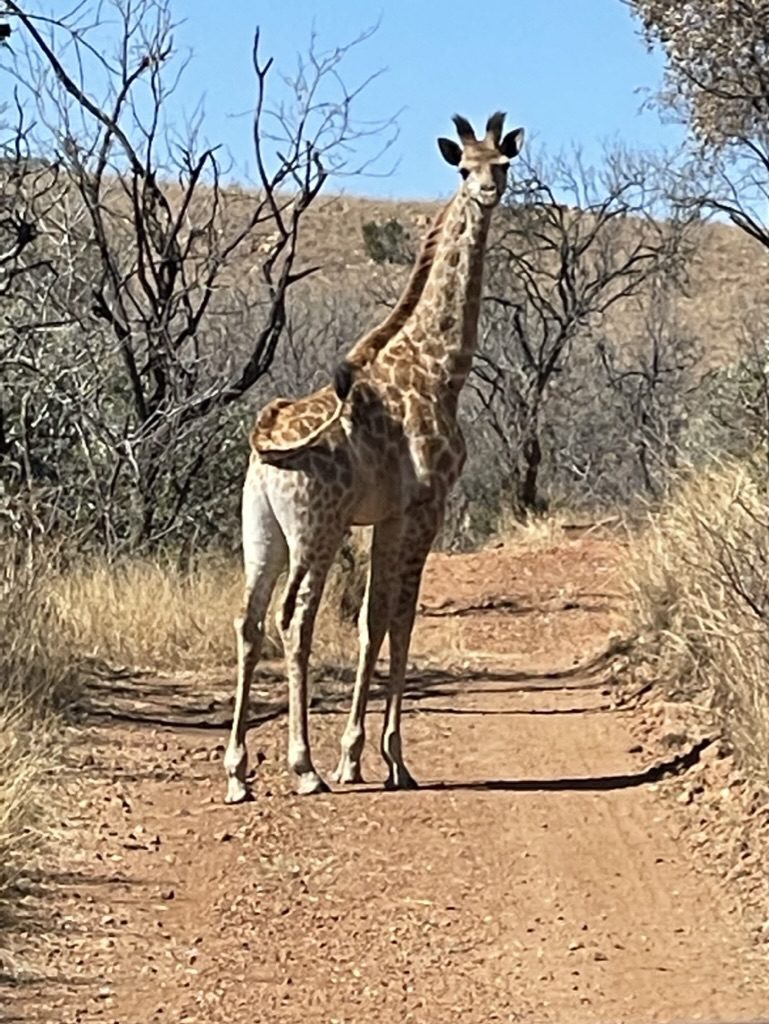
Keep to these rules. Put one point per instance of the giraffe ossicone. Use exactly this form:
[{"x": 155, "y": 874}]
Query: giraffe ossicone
[{"x": 380, "y": 447}]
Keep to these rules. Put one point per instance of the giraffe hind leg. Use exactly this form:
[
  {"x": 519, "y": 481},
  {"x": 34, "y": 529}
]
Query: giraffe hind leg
[
  {"x": 264, "y": 557},
  {"x": 309, "y": 565}
]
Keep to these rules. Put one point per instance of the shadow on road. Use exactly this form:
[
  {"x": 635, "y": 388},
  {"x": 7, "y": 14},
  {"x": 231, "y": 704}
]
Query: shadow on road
[
  {"x": 189, "y": 703},
  {"x": 598, "y": 784}
]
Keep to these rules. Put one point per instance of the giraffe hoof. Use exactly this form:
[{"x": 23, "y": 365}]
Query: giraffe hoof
[
  {"x": 311, "y": 783},
  {"x": 237, "y": 793},
  {"x": 347, "y": 773},
  {"x": 400, "y": 778}
]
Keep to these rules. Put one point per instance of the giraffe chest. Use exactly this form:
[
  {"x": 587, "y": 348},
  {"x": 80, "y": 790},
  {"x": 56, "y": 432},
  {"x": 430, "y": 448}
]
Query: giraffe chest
[
  {"x": 424, "y": 454},
  {"x": 436, "y": 457}
]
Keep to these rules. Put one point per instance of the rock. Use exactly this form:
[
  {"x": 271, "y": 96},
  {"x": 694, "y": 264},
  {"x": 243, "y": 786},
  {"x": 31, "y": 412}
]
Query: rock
[{"x": 676, "y": 723}]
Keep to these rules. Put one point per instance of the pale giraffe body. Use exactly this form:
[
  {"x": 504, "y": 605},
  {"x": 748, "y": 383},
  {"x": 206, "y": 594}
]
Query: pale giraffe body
[{"x": 385, "y": 454}]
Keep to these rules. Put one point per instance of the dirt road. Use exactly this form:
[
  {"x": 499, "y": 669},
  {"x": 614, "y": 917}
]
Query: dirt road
[{"x": 536, "y": 876}]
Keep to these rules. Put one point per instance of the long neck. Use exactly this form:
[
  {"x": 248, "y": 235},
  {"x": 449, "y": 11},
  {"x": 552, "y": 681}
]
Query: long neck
[
  {"x": 445, "y": 321},
  {"x": 366, "y": 348}
]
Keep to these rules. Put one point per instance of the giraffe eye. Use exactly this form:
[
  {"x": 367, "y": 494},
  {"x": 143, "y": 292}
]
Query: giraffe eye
[{"x": 464, "y": 172}]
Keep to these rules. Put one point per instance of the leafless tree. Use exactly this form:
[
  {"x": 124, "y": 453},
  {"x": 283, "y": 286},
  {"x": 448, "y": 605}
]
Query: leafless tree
[
  {"x": 151, "y": 329},
  {"x": 717, "y": 82},
  {"x": 653, "y": 383},
  {"x": 556, "y": 273},
  {"x": 731, "y": 415}
]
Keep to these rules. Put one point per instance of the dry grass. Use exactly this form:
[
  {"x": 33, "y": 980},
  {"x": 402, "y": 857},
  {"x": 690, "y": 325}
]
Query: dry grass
[
  {"x": 535, "y": 532},
  {"x": 698, "y": 576},
  {"x": 38, "y": 675},
  {"x": 146, "y": 613},
  {"x": 140, "y": 613},
  {"x": 549, "y": 531}
]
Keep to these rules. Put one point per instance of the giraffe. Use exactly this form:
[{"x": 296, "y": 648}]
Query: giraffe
[{"x": 381, "y": 447}]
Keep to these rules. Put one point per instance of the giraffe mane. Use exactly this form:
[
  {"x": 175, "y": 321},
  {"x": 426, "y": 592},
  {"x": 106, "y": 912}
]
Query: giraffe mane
[{"x": 366, "y": 349}]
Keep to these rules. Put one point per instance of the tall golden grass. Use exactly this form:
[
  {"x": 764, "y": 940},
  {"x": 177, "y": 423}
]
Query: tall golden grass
[
  {"x": 37, "y": 670},
  {"x": 698, "y": 576},
  {"x": 150, "y": 613}
]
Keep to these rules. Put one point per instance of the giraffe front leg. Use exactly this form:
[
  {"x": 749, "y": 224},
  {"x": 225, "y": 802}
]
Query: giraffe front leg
[
  {"x": 249, "y": 632},
  {"x": 374, "y": 620},
  {"x": 414, "y": 554}
]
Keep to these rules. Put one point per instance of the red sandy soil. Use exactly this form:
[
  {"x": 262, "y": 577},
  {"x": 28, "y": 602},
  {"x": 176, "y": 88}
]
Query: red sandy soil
[{"x": 536, "y": 876}]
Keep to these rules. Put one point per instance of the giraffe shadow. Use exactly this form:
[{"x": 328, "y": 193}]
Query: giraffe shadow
[
  {"x": 675, "y": 765},
  {"x": 192, "y": 704}
]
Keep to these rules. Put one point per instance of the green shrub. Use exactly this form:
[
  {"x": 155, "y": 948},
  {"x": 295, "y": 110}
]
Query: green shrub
[{"x": 388, "y": 242}]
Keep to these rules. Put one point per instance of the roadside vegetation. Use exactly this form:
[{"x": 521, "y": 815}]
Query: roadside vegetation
[
  {"x": 38, "y": 669},
  {"x": 698, "y": 583}
]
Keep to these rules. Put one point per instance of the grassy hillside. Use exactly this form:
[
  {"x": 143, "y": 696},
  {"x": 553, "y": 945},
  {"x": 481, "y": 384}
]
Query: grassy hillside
[
  {"x": 727, "y": 290},
  {"x": 726, "y": 294},
  {"x": 728, "y": 274}
]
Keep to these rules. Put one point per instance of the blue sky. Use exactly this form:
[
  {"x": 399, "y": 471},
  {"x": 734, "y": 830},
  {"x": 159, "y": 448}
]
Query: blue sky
[{"x": 570, "y": 71}]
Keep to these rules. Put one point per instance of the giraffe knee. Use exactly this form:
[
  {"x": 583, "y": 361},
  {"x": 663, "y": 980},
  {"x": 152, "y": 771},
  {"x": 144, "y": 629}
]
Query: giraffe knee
[
  {"x": 248, "y": 627},
  {"x": 288, "y": 604}
]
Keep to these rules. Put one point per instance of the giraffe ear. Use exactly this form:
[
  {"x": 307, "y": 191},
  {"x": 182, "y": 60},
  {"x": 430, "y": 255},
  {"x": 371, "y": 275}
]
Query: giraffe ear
[
  {"x": 512, "y": 144},
  {"x": 450, "y": 151}
]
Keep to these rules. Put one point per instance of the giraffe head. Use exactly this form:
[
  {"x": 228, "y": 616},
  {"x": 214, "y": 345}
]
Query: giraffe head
[{"x": 483, "y": 162}]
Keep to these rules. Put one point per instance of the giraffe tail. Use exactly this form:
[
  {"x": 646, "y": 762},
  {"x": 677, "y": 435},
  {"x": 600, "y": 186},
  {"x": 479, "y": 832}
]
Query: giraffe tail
[
  {"x": 268, "y": 448},
  {"x": 287, "y": 426},
  {"x": 344, "y": 378}
]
